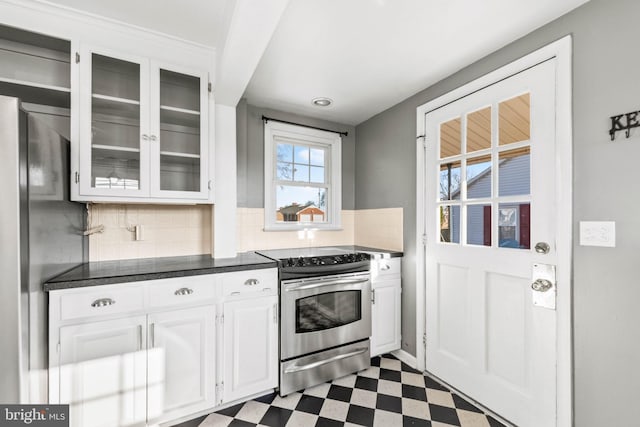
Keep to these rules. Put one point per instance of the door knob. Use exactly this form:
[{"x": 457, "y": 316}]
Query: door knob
[
  {"x": 541, "y": 285},
  {"x": 542, "y": 248}
]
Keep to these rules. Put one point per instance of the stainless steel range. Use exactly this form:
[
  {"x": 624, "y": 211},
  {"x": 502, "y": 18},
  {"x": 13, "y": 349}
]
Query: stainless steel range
[{"x": 325, "y": 315}]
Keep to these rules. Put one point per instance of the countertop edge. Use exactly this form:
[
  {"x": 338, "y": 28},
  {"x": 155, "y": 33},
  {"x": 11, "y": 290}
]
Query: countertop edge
[{"x": 83, "y": 283}]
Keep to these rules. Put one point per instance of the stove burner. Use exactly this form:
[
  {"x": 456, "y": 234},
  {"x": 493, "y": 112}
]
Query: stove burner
[{"x": 325, "y": 260}]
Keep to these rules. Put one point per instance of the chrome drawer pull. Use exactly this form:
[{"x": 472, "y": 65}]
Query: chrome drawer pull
[
  {"x": 102, "y": 302},
  {"x": 251, "y": 282},
  {"x": 296, "y": 368},
  {"x": 183, "y": 291},
  {"x": 235, "y": 293},
  {"x": 385, "y": 267}
]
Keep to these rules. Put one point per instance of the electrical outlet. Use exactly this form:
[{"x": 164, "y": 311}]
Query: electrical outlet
[{"x": 598, "y": 233}]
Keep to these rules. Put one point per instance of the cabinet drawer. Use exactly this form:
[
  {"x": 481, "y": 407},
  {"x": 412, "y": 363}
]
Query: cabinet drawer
[
  {"x": 385, "y": 267},
  {"x": 184, "y": 290},
  {"x": 103, "y": 301},
  {"x": 251, "y": 281}
]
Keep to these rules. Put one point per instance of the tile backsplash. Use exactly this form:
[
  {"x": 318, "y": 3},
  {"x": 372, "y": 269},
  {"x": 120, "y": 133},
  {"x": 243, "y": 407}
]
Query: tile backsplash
[
  {"x": 167, "y": 230},
  {"x": 379, "y": 228}
]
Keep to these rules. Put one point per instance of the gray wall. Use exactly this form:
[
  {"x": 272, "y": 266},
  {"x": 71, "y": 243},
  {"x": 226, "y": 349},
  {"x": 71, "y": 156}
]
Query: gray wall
[
  {"x": 605, "y": 291},
  {"x": 250, "y": 150}
]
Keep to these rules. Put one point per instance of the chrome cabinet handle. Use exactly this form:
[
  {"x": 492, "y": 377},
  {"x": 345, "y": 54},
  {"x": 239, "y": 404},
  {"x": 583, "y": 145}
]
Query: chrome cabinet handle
[
  {"x": 153, "y": 138},
  {"x": 541, "y": 285},
  {"x": 102, "y": 302},
  {"x": 183, "y": 291},
  {"x": 235, "y": 293},
  {"x": 275, "y": 313},
  {"x": 251, "y": 282},
  {"x": 139, "y": 337},
  {"x": 542, "y": 248},
  {"x": 152, "y": 332},
  {"x": 145, "y": 137},
  {"x": 385, "y": 267}
]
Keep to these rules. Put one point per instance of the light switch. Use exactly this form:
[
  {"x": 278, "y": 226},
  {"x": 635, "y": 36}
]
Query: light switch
[{"x": 598, "y": 233}]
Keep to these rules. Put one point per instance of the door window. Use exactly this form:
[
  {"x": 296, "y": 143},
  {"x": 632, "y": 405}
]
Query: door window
[{"x": 484, "y": 180}]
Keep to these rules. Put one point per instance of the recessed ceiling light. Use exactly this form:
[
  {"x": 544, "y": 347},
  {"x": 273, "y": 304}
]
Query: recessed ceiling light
[{"x": 321, "y": 102}]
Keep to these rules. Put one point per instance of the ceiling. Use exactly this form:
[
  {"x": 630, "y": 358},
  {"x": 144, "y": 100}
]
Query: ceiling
[{"x": 366, "y": 55}]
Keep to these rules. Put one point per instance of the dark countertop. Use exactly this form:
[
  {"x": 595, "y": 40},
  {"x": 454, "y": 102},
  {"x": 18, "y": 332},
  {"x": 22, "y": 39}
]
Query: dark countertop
[
  {"x": 132, "y": 270},
  {"x": 371, "y": 251}
]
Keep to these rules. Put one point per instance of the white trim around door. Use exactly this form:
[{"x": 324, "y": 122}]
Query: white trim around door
[{"x": 561, "y": 51}]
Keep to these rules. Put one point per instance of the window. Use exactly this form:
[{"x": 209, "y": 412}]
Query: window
[{"x": 302, "y": 177}]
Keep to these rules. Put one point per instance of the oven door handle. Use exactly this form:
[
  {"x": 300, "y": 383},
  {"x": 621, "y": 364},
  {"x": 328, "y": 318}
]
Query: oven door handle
[
  {"x": 294, "y": 368},
  {"x": 313, "y": 285}
]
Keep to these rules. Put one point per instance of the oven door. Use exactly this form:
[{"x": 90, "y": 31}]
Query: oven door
[{"x": 321, "y": 313}]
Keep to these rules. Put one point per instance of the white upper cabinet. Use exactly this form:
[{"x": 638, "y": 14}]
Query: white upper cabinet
[{"x": 143, "y": 130}]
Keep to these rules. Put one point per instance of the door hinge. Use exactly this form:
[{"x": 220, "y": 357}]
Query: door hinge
[
  {"x": 222, "y": 319},
  {"x": 77, "y": 58},
  {"x": 58, "y": 347},
  {"x": 424, "y": 340},
  {"x": 424, "y": 240},
  {"x": 209, "y": 88},
  {"x": 209, "y": 185},
  {"x": 77, "y": 177}
]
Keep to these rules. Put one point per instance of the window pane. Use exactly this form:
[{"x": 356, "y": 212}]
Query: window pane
[
  {"x": 301, "y": 204},
  {"x": 284, "y": 171},
  {"x": 514, "y": 225},
  {"x": 479, "y": 130},
  {"x": 450, "y": 139},
  {"x": 450, "y": 180},
  {"x": 514, "y": 172},
  {"x": 317, "y": 174},
  {"x": 301, "y": 154},
  {"x": 479, "y": 177},
  {"x": 317, "y": 157},
  {"x": 479, "y": 225},
  {"x": 301, "y": 173},
  {"x": 450, "y": 224},
  {"x": 284, "y": 152},
  {"x": 514, "y": 120}
]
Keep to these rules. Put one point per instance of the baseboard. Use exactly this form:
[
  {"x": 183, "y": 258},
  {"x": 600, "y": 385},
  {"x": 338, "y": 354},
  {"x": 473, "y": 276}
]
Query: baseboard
[{"x": 406, "y": 358}]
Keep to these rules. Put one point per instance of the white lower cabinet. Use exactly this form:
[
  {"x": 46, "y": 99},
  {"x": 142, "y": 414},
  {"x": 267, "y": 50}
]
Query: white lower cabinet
[
  {"x": 385, "y": 317},
  {"x": 180, "y": 357},
  {"x": 146, "y": 353},
  {"x": 250, "y": 362},
  {"x": 386, "y": 291},
  {"x": 103, "y": 372}
]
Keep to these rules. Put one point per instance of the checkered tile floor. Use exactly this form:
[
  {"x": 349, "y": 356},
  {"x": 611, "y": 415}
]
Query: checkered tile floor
[{"x": 388, "y": 394}]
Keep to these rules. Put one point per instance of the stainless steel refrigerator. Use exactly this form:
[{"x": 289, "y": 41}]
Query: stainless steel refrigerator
[{"x": 42, "y": 236}]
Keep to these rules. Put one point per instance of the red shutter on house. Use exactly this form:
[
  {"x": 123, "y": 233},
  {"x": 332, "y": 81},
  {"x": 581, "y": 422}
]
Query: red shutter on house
[
  {"x": 486, "y": 225},
  {"x": 525, "y": 226}
]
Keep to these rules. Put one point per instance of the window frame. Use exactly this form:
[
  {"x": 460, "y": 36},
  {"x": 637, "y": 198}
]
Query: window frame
[{"x": 275, "y": 132}]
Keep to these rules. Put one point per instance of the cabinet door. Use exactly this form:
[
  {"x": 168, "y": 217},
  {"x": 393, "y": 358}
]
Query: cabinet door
[
  {"x": 179, "y": 140},
  {"x": 114, "y": 124},
  {"x": 103, "y": 373},
  {"x": 250, "y": 346},
  {"x": 385, "y": 317},
  {"x": 181, "y": 377}
]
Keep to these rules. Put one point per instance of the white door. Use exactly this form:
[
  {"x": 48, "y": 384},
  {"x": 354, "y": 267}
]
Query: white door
[
  {"x": 103, "y": 375},
  {"x": 251, "y": 346},
  {"x": 489, "y": 198},
  {"x": 181, "y": 356}
]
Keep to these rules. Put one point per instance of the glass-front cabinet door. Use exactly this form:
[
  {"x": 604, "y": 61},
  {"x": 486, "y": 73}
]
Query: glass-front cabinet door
[
  {"x": 143, "y": 130},
  {"x": 179, "y": 141},
  {"x": 114, "y": 125}
]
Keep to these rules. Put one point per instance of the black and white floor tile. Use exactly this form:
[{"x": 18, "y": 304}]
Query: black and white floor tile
[{"x": 388, "y": 394}]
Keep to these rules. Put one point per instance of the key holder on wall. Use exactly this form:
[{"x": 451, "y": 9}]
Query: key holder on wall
[{"x": 624, "y": 122}]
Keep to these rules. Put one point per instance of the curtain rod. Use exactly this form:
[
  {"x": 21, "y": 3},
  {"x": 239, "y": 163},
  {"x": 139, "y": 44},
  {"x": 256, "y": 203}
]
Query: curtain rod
[{"x": 266, "y": 119}]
